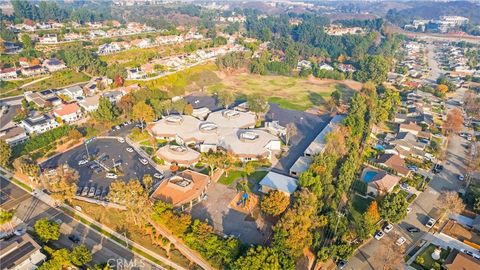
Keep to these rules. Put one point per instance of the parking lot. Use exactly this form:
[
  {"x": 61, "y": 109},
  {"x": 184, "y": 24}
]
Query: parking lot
[
  {"x": 110, "y": 158},
  {"x": 308, "y": 126}
]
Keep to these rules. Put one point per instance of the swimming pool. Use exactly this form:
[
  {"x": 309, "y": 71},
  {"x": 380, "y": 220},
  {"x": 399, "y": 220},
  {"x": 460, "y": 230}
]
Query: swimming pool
[
  {"x": 368, "y": 177},
  {"x": 379, "y": 147}
]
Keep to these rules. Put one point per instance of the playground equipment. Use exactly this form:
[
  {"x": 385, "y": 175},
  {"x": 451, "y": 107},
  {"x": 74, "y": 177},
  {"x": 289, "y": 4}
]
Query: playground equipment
[{"x": 243, "y": 200}]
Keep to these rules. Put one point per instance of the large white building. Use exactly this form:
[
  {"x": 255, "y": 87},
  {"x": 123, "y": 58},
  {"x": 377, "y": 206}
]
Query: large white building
[{"x": 230, "y": 130}]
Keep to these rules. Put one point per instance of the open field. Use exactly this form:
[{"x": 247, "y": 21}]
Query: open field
[
  {"x": 10, "y": 88},
  {"x": 288, "y": 92},
  {"x": 59, "y": 79},
  {"x": 189, "y": 80}
]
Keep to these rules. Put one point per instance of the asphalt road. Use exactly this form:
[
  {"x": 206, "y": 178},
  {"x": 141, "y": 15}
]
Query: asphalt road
[
  {"x": 131, "y": 167},
  {"x": 30, "y": 209}
]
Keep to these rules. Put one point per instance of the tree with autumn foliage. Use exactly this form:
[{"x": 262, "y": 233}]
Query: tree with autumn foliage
[
  {"x": 442, "y": 88},
  {"x": 454, "y": 122},
  {"x": 118, "y": 81},
  {"x": 62, "y": 184},
  {"x": 370, "y": 219},
  {"x": 274, "y": 203}
]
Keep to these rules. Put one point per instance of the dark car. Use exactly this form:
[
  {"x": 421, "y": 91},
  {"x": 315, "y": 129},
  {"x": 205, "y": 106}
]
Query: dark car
[
  {"x": 341, "y": 264},
  {"x": 413, "y": 230},
  {"x": 74, "y": 238},
  {"x": 437, "y": 168}
]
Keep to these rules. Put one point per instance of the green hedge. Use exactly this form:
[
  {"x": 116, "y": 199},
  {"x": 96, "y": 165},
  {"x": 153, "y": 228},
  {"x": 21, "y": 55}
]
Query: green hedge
[{"x": 40, "y": 141}]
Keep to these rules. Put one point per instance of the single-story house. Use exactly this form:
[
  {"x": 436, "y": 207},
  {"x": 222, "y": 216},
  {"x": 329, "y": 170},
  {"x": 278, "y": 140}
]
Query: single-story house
[
  {"x": 72, "y": 92},
  {"x": 275, "y": 181},
  {"x": 89, "y": 104},
  {"x": 378, "y": 181},
  {"x": 13, "y": 135},
  {"x": 53, "y": 64},
  {"x": 42, "y": 99},
  {"x": 8, "y": 73},
  {"x": 394, "y": 162},
  {"x": 410, "y": 127}
]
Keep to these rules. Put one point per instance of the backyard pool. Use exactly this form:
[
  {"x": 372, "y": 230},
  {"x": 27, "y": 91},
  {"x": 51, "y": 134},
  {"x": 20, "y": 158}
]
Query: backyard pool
[
  {"x": 368, "y": 176},
  {"x": 379, "y": 147}
]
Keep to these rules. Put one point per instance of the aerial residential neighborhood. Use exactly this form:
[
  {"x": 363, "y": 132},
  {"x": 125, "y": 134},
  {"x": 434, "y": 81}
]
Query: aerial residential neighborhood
[{"x": 150, "y": 134}]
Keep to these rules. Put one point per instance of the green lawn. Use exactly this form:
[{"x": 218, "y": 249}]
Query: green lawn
[
  {"x": 9, "y": 88},
  {"x": 428, "y": 262},
  {"x": 234, "y": 175},
  {"x": 361, "y": 204},
  {"x": 59, "y": 79}
]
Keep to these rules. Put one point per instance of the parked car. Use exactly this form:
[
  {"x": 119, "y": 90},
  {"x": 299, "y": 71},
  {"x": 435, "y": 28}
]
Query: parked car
[
  {"x": 461, "y": 177},
  {"x": 341, "y": 264},
  {"x": 94, "y": 166},
  {"x": 82, "y": 162},
  {"x": 400, "y": 241},
  {"x": 74, "y": 238},
  {"x": 129, "y": 149},
  {"x": 404, "y": 186},
  {"x": 85, "y": 191},
  {"x": 430, "y": 223},
  {"x": 104, "y": 193},
  {"x": 437, "y": 168},
  {"x": 413, "y": 230},
  {"x": 111, "y": 176},
  {"x": 20, "y": 231},
  {"x": 412, "y": 168},
  {"x": 158, "y": 175},
  {"x": 379, "y": 235},
  {"x": 98, "y": 192},
  {"x": 121, "y": 140},
  {"x": 143, "y": 161},
  {"x": 79, "y": 191},
  {"x": 388, "y": 228},
  {"x": 409, "y": 209},
  {"x": 91, "y": 192}
]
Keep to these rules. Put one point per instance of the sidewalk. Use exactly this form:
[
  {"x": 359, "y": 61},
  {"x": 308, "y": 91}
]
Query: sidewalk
[{"x": 101, "y": 229}]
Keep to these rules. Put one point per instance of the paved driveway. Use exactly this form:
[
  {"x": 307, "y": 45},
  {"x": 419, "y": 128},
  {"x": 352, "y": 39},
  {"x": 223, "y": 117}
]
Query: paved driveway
[
  {"x": 308, "y": 126},
  {"x": 114, "y": 151}
]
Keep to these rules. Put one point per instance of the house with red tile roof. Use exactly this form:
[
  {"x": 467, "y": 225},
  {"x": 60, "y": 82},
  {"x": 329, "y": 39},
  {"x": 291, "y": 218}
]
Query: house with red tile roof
[{"x": 68, "y": 112}]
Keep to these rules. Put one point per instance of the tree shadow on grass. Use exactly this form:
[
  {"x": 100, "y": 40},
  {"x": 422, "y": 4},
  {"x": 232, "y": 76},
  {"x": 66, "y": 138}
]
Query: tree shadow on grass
[{"x": 316, "y": 98}]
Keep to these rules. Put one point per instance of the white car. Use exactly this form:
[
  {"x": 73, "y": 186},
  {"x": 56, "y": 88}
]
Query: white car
[
  {"x": 388, "y": 228},
  {"x": 409, "y": 209},
  {"x": 461, "y": 177},
  {"x": 111, "y": 176},
  {"x": 400, "y": 241},
  {"x": 129, "y": 149},
  {"x": 20, "y": 231},
  {"x": 82, "y": 162},
  {"x": 158, "y": 175},
  {"x": 430, "y": 223},
  {"x": 379, "y": 235},
  {"x": 121, "y": 140},
  {"x": 143, "y": 161}
]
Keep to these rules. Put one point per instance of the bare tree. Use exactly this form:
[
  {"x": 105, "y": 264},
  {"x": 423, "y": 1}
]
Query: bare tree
[
  {"x": 290, "y": 132},
  {"x": 453, "y": 204},
  {"x": 392, "y": 256},
  {"x": 454, "y": 121}
]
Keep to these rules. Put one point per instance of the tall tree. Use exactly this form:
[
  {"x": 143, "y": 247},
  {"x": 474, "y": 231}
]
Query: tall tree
[
  {"x": 47, "y": 230},
  {"x": 258, "y": 258},
  {"x": 225, "y": 98},
  {"x": 63, "y": 184},
  {"x": 5, "y": 153},
  {"x": 274, "y": 203},
  {"x": 143, "y": 112},
  {"x": 6, "y": 216},
  {"x": 394, "y": 207},
  {"x": 454, "y": 121},
  {"x": 291, "y": 131},
  {"x": 257, "y": 104},
  {"x": 81, "y": 255},
  {"x": 106, "y": 111}
]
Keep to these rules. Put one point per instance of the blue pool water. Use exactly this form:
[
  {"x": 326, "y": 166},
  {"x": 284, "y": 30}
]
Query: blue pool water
[
  {"x": 379, "y": 147},
  {"x": 368, "y": 177}
]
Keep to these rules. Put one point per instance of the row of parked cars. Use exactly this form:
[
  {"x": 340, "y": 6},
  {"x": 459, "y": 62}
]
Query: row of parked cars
[{"x": 93, "y": 191}]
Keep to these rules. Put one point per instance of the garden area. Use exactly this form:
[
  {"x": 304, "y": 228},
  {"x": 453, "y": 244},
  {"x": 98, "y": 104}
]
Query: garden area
[
  {"x": 59, "y": 79},
  {"x": 424, "y": 260}
]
